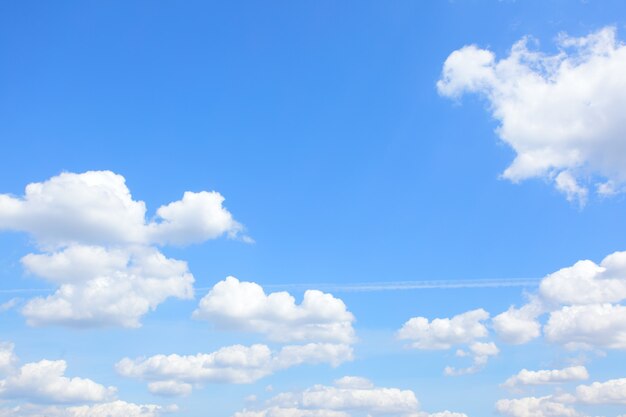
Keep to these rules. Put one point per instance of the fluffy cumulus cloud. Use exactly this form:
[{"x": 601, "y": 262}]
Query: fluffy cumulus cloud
[
  {"x": 104, "y": 287},
  {"x": 547, "y": 376},
  {"x": 582, "y": 305},
  {"x": 444, "y": 333},
  {"x": 561, "y": 112},
  {"x": 535, "y": 407},
  {"x": 612, "y": 392},
  {"x": 111, "y": 409},
  {"x": 320, "y": 317},
  {"x": 45, "y": 381},
  {"x": 608, "y": 392},
  {"x": 100, "y": 251},
  {"x": 176, "y": 374},
  {"x": 519, "y": 325},
  {"x": 347, "y": 397},
  {"x": 96, "y": 207}
]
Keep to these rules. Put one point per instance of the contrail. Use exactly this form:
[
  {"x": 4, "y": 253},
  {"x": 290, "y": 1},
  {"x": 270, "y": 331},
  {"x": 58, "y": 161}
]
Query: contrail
[
  {"x": 415, "y": 285},
  {"x": 366, "y": 286},
  {"x": 405, "y": 285}
]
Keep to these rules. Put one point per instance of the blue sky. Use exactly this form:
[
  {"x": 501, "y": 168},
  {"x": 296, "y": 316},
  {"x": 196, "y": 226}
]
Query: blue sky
[{"x": 354, "y": 143}]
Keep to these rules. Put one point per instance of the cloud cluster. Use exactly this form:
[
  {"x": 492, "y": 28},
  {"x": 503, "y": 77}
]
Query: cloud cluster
[
  {"x": 236, "y": 305},
  {"x": 45, "y": 381},
  {"x": 97, "y": 208},
  {"x": 237, "y": 364},
  {"x": 444, "y": 333},
  {"x": 560, "y": 113},
  {"x": 321, "y": 323},
  {"x": 104, "y": 287},
  {"x": 582, "y": 305},
  {"x": 612, "y": 392},
  {"x": 348, "y": 396},
  {"x": 43, "y": 390},
  {"x": 535, "y": 407},
  {"x": 99, "y": 250}
]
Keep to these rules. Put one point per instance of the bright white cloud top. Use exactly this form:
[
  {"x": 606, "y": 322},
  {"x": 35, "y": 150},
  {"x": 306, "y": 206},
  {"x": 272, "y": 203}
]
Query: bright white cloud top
[
  {"x": 96, "y": 207},
  {"x": 45, "y": 382},
  {"x": 562, "y": 113},
  {"x": 321, "y": 319},
  {"x": 348, "y": 396},
  {"x": 244, "y": 306},
  {"x": 444, "y": 333},
  {"x": 98, "y": 248},
  {"x": 175, "y": 374},
  {"x": 582, "y": 305}
]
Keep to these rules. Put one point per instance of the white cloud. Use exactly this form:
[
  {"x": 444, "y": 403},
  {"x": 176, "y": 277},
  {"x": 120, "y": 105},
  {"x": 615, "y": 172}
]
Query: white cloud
[
  {"x": 608, "y": 392},
  {"x": 581, "y": 302},
  {"x": 45, "y": 381},
  {"x": 560, "y": 113},
  {"x": 99, "y": 249},
  {"x": 588, "y": 326},
  {"x": 232, "y": 364},
  {"x": 547, "y": 376},
  {"x": 535, "y": 407},
  {"x": 480, "y": 353},
  {"x": 587, "y": 283},
  {"x": 612, "y": 392},
  {"x": 348, "y": 396},
  {"x": 444, "y": 333},
  {"x": 517, "y": 326},
  {"x": 96, "y": 208},
  {"x": 104, "y": 287},
  {"x": 236, "y": 305},
  {"x": 194, "y": 219},
  {"x": 110, "y": 409},
  {"x": 441, "y": 334}
]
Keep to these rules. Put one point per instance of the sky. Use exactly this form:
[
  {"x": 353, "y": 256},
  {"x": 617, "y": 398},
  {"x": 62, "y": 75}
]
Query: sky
[{"x": 313, "y": 209}]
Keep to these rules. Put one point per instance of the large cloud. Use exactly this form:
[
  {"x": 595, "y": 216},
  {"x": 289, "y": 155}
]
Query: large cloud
[
  {"x": 535, "y": 407},
  {"x": 444, "y": 333},
  {"x": 348, "y": 396},
  {"x": 175, "y": 374},
  {"x": 96, "y": 207},
  {"x": 612, "y": 392},
  {"x": 582, "y": 305},
  {"x": 561, "y": 113},
  {"x": 45, "y": 381},
  {"x": 99, "y": 249},
  {"x": 608, "y": 392},
  {"x": 104, "y": 287},
  {"x": 320, "y": 317}
]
